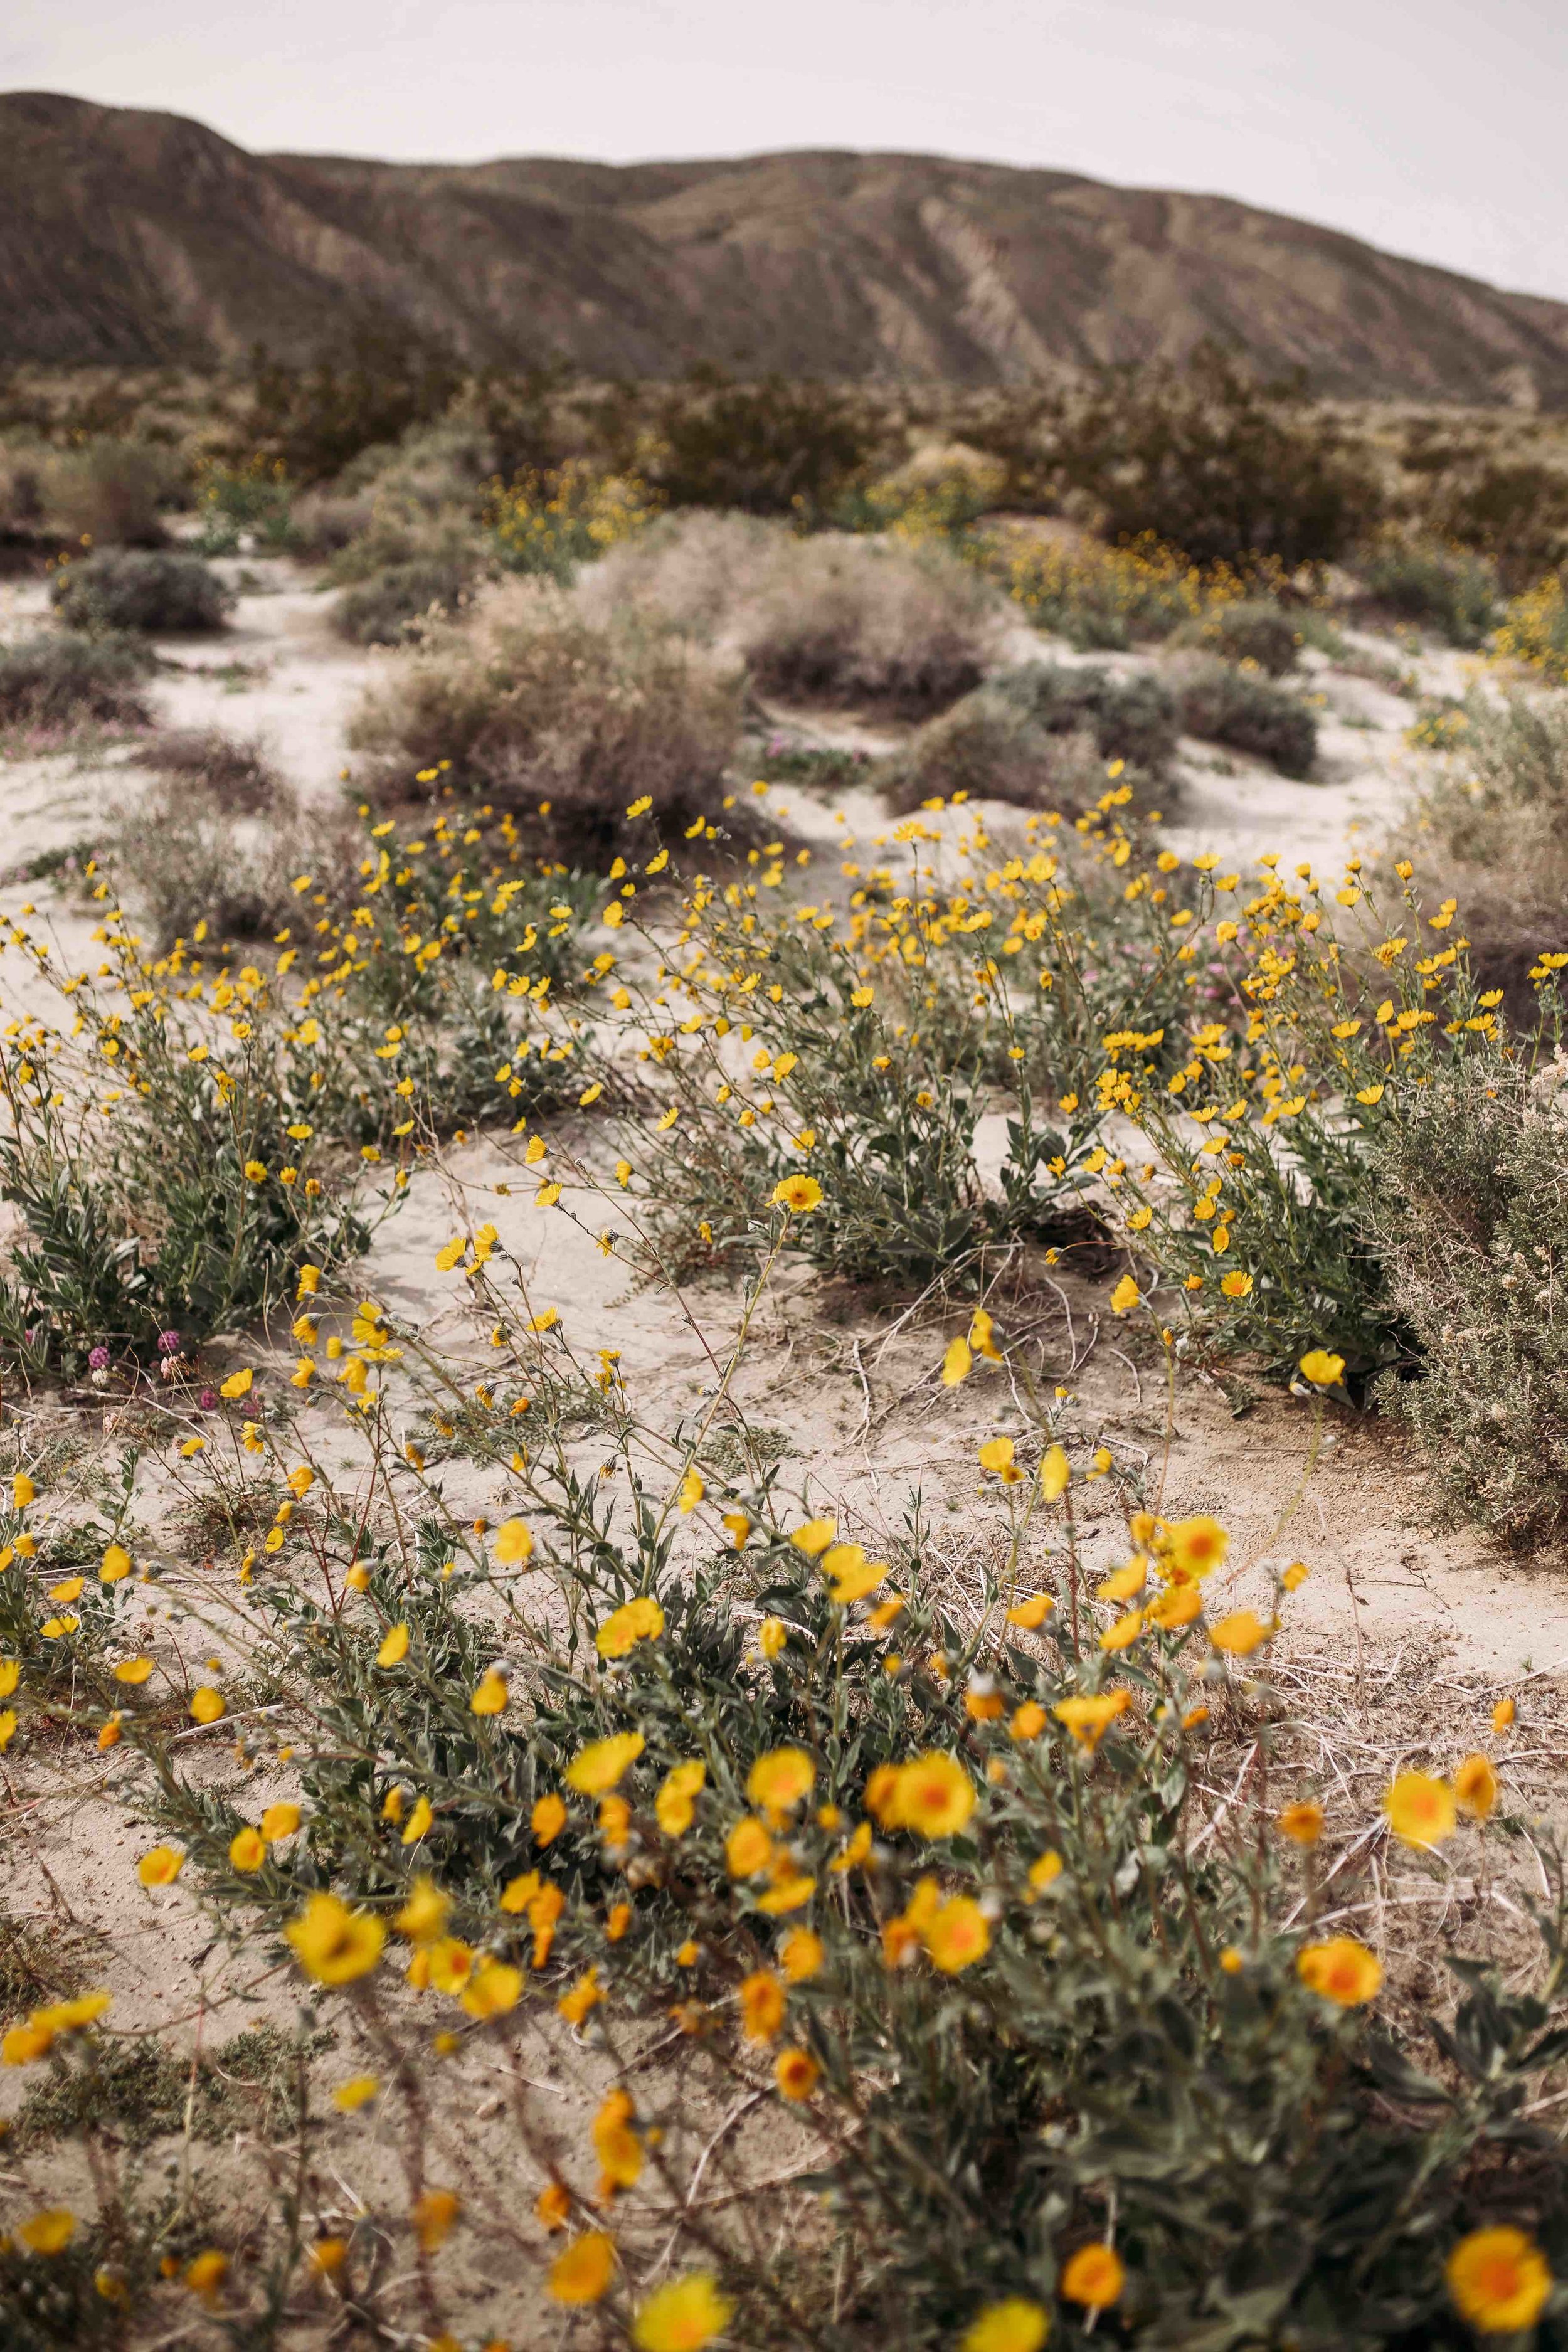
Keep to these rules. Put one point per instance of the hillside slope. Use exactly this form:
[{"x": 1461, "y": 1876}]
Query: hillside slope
[{"x": 132, "y": 236}]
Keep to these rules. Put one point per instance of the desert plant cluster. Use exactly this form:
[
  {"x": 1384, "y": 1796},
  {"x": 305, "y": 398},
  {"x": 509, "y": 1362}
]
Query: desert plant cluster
[{"x": 683, "y": 1363}]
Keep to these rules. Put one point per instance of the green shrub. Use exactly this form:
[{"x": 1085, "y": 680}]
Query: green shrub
[
  {"x": 1254, "y": 630},
  {"x": 65, "y": 681},
  {"x": 537, "y": 704},
  {"x": 148, "y": 1221},
  {"x": 1216, "y": 463},
  {"x": 768, "y": 448},
  {"x": 149, "y": 590},
  {"x": 1469, "y": 1205},
  {"x": 314, "y": 421},
  {"x": 110, "y": 492},
  {"x": 1223, "y": 704},
  {"x": 1453, "y": 589},
  {"x": 250, "y": 501},
  {"x": 383, "y": 609},
  {"x": 550, "y": 524},
  {"x": 1513, "y": 510},
  {"x": 1106, "y": 598}
]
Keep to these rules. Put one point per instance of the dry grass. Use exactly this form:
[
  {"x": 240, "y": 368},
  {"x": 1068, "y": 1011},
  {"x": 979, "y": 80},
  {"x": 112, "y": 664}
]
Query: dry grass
[
  {"x": 535, "y": 703},
  {"x": 836, "y": 620}
]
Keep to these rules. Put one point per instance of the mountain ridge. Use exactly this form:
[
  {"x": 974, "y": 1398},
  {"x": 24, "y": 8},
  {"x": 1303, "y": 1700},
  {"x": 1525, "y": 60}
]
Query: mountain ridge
[{"x": 133, "y": 237}]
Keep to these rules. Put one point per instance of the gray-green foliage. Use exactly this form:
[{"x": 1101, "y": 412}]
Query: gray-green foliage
[
  {"x": 1247, "y": 711},
  {"x": 1041, "y": 734},
  {"x": 1469, "y": 1209},
  {"x": 66, "y": 680},
  {"x": 148, "y": 589}
]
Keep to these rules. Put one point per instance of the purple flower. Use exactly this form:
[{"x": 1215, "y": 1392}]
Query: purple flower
[
  {"x": 208, "y": 1400},
  {"x": 98, "y": 1360},
  {"x": 168, "y": 1343}
]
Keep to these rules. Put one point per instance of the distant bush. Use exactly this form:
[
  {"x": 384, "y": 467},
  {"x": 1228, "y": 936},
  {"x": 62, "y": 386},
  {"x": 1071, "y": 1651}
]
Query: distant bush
[
  {"x": 1106, "y": 598},
  {"x": 535, "y": 703},
  {"x": 63, "y": 681},
  {"x": 380, "y": 611},
  {"x": 828, "y": 620},
  {"x": 1247, "y": 711},
  {"x": 250, "y": 500},
  {"x": 1469, "y": 1206},
  {"x": 1217, "y": 463},
  {"x": 322, "y": 523},
  {"x": 1254, "y": 630},
  {"x": 148, "y": 590},
  {"x": 1450, "y": 587},
  {"x": 315, "y": 420},
  {"x": 236, "y": 775},
  {"x": 768, "y": 448},
  {"x": 112, "y": 491},
  {"x": 1041, "y": 734},
  {"x": 1535, "y": 630},
  {"x": 551, "y": 523},
  {"x": 23, "y": 458},
  {"x": 1516, "y": 511}
]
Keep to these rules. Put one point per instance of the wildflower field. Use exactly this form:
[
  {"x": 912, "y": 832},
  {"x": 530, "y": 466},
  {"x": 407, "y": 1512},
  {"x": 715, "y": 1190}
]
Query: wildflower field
[{"x": 780, "y": 1554}]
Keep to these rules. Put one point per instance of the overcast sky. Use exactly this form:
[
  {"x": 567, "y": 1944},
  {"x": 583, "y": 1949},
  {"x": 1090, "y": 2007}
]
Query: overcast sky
[{"x": 1435, "y": 128}]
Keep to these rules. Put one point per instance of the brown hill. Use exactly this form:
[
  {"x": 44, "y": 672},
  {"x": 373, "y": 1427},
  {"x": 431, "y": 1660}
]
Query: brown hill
[{"x": 130, "y": 237}]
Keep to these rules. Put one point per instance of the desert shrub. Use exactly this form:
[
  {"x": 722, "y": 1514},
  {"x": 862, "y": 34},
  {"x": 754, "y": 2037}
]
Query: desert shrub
[
  {"x": 247, "y": 501},
  {"x": 23, "y": 458},
  {"x": 237, "y": 776},
  {"x": 313, "y": 421},
  {"x": 167, "y": 1214},
  {"x": 381, "y": 609},
  {"x": 193, "y": 857},
  {"x": 1535, "y": 630},
  {"x": 1106, "y": 598},
  {"x": 1494, "y": 812},
  {"x": 65, "y": 680},
  {"x": 151, "y": 590},
  {"x": 1223, "y": 704},
  {"x": 110, "y": 491},
  {"x": 1269, "y": 1126},
  {"x": 324, "y": 523},
  {"x": 989, "y": 747},
  {"x": 1040, "y": 734},
  {"x": 553, "y": 522},
  {"x": 1213, "y": 462},
  {"x": 838, "y": 620},
  {"x": 972, "y": 1922},
  {"x": 1469, "y": 1206},
  {"x": 847, "y": 623},
  {"x": 768, "y": 448},
  {"x": 536, "y": 702},
  {"x": 1513, "y": 510},
  {"x": 1449, "y": 586},
  {"x": 1254, "y": 630}
]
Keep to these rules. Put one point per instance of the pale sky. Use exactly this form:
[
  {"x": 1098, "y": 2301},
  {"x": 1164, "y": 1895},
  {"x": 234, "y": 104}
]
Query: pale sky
[{"x": 1433, "y": 127}]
